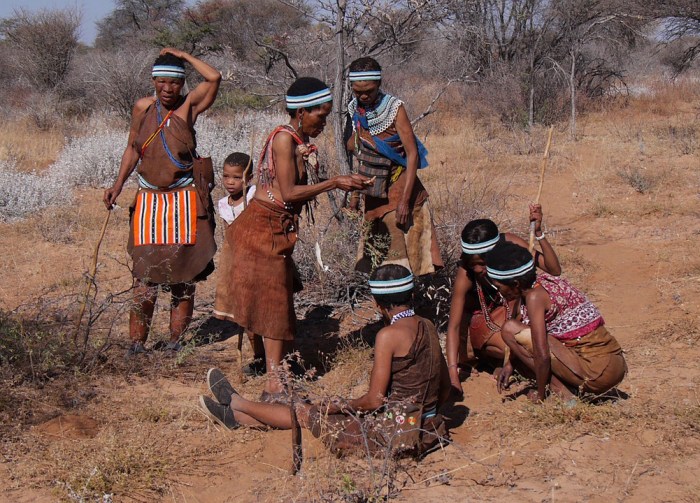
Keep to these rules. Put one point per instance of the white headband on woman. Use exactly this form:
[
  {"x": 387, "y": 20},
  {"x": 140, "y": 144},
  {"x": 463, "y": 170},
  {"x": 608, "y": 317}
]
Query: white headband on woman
[
  {"x": 368, "y": 75},
  {"x": 479, "y": 248},
  {"x": 170, "y": 71},
  {"x": 512, "y": 273},
  {"x": 386, "y": 287},
  {"x": 309, "y": 100}
]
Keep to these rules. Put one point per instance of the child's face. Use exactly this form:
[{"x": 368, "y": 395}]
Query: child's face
[{"x": 233, "y": 178}]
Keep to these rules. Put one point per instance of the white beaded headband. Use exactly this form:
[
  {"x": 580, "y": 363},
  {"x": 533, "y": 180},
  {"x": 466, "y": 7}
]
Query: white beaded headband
[
  {"x": 309, "y": 100},
  {"x": 386, "y": 287},
  {"x": 479, "y": 248},
  {"x": 368, "y": 75},
  {"x": 512, "y": 273},
  {"x": 171, "y": 71}
]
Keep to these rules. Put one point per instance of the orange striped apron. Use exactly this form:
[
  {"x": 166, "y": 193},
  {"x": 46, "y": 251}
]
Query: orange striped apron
[{"x": 165, "y": 218}]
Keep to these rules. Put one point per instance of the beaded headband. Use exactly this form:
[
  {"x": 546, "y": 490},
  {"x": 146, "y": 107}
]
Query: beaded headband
[
  {"x": 368, "y": 75},
  {"x": 309, "y": 100},
  {"x": 386, "y": 287},
  {"x": 512, "y": 273},
  {"x": 173, "y": 72},
  {"x": 479, "y": 248}
]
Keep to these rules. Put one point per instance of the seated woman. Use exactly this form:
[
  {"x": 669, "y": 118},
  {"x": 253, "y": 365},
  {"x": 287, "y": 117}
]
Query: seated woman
[
  {"x": 560, "y": 336},
  {"x": 476, "y": 305},
  {"x": 407, "y": 385}
]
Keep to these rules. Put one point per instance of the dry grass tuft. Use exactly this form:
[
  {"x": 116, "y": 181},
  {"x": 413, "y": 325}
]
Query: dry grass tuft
[
  {"x": 113, "y": 463},
  {"x": 29, "y": 148}
]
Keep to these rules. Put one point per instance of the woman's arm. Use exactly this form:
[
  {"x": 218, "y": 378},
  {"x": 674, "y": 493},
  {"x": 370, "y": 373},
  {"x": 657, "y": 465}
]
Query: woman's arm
[
  {"x": 130, "y": 157},
  {"x": 461, "y": 288},
  {"x": 547, "y": 260},
  {"x": 202, "y": 96},
  {"x": 384, "y": 349},
  {"x": 537, "y": 302},
  {"x": 408, "y": 140},
  {"x": 284, "y": 154}
]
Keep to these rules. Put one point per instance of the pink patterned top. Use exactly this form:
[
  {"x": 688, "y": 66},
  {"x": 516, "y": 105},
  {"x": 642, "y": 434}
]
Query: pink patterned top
[{"x": 571, "y": 314}]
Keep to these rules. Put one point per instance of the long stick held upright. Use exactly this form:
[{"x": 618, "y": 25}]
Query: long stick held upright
[
  {"x": 90, "y": 280},
  {"x": 545, "y": 156}
]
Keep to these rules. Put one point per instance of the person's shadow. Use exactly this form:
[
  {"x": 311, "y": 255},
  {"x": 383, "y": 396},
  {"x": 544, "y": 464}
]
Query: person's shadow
[{"x": 317, "y": 338}]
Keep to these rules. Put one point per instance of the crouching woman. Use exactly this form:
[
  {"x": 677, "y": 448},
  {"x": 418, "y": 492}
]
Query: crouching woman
[
  {"x": 408, "y": 384},
  {"x": 561, "y": 336}
]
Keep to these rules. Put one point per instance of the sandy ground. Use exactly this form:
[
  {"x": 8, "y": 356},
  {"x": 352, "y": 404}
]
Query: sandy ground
[{"x": 132, "y": 430}]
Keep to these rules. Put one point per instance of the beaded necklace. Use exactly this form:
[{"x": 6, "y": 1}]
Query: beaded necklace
[
  {"x": 408, "y": 313},
  {"x": 484, "y": 308},
  {"x": 381, "y": 115}
]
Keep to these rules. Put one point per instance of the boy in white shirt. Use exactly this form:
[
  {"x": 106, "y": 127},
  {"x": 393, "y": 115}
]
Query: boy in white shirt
[{"x": 235, "y": 179}]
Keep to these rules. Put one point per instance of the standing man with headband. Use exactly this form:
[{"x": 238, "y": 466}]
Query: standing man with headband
[
  {"x": 262, "y": 276},
  {"x": 171, "y": 239},
  {"x": 386, "y": 150}
]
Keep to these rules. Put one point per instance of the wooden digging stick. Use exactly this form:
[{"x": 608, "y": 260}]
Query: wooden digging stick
[
  {"x": 296, "y": 438},
  {"x": 545, "y": 156},
  {"x": 91, "y": 279},
  {"x": 531, "y": 245}
]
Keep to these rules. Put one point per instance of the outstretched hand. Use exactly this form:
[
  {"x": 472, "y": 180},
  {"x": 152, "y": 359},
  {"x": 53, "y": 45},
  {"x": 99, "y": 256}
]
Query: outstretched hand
[{"x": 352, "y": 182}]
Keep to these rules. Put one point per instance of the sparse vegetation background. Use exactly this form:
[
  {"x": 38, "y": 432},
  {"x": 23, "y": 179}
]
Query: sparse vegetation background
[{"x": 484, "y": 80}]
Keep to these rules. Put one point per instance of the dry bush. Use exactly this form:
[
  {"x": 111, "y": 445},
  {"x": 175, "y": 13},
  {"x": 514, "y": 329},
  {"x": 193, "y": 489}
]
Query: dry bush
[
  {"x": 43, "y": 44},
  {"x": 637, "y": 178},
  {"x": 683, "y": 138}
]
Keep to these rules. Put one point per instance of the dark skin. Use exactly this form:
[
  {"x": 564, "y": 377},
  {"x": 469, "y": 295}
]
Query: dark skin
[
  {"x": 546, "y": 260},
  {"x": 366, "y": 93},
  {"x": 168, "y": 91},
  {"x": 290, "y": 186},
  {"x": 538, "y": 362},
  {"x": 393, "y": 341}
]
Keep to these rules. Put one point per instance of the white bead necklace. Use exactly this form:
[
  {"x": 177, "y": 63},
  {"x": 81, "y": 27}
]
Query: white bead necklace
[{"x": 403, "y": 314}]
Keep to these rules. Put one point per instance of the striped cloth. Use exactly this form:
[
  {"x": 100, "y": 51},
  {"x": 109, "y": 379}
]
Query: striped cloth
[{"x": 168, "y": 218}]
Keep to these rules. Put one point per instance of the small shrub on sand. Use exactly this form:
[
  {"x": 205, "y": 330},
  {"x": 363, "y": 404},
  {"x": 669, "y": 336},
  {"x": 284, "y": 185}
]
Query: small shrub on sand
[{"x": 637, "y": 178}]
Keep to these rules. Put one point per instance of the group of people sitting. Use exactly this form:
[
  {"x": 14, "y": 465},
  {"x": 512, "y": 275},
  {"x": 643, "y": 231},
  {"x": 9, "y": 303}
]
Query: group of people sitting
[{"x": 515, "y": 318}]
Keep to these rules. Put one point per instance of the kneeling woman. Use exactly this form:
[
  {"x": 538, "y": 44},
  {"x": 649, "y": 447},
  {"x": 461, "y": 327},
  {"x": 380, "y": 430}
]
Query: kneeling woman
[
  {"x": 408, "y": 383},
  {"x": 476, "y": 307},
  {"x": 561, "y": 336}
]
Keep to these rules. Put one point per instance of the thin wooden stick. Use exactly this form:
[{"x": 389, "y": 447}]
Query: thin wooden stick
[
  {"x": 296, "y": 438},
  {"x": 91, "y": 279},
  {"x": 545, "y": 156}
]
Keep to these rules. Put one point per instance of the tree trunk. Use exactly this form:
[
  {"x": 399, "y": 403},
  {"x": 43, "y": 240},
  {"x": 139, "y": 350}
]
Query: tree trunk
[
  {"x": 572, "y": 92},
  {"x": 531, "y": 104},
  {"x": 339, "y": 89}
]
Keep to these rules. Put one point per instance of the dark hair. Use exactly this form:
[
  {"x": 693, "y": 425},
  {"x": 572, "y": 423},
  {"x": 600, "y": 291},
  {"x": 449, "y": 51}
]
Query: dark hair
[
  {"x": 239, "y": 159},
  {"x": 170, "y": 60},
  {"x": 390, "y": 272},
  {"x": 477, "y": 231},
  {"x": 303, "y": 86},
  {"x": 365, "y": 64},
  {"x": 506, "y": 256}
]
